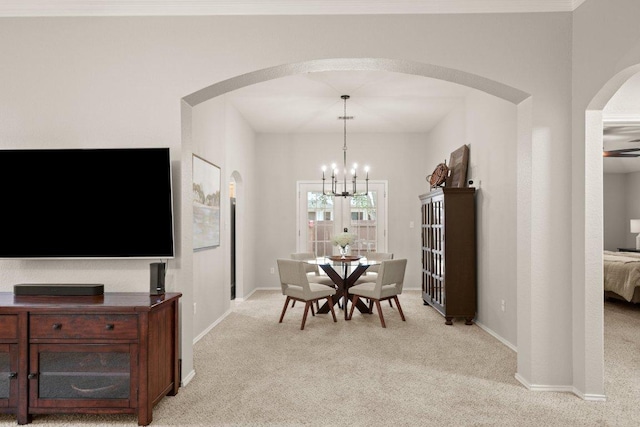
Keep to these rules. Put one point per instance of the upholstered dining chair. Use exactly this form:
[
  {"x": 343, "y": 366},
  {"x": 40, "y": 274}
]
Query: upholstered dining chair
[
  {"x": 296, "y": 286},
  {"x": 387, "y": 286},
  {"x": 312, "y": 270},
  {"x": 371, "y": 275}
]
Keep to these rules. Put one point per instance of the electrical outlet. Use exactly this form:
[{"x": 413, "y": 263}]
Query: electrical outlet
[
  {"x": 502, "y": 305},
  {"x": 411, "y": 224},
  {"x": 273, "y": 270},
  {"x": 472, "y": 182},
  {"x": 194, "y": 308}
]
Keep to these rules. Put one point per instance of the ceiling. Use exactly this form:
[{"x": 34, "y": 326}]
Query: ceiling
[
  {"x": 275, "y": 7},
  {"x": 381, "y": 102}
]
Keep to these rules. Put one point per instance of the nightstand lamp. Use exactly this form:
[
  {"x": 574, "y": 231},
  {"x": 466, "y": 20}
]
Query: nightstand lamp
[{"x": 635, "y": 228}]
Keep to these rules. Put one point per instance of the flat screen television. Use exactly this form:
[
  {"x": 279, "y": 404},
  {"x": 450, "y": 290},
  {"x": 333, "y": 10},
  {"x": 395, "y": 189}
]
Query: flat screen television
[{"x": 86, "y": 203}]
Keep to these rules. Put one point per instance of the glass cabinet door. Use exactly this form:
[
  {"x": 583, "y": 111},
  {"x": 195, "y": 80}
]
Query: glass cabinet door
[
  {"x": 8, "y": 375},
  {"x": 69, "y": 374}
]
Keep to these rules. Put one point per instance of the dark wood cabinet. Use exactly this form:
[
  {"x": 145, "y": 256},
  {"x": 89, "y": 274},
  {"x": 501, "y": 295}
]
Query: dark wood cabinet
[
  {"x": 449, "y": 252},
  {"x": 113, "y": 353}
]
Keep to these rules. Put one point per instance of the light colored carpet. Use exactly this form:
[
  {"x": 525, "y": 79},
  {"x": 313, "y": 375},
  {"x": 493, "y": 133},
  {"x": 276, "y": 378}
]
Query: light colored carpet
[{"x": 252, "y": 371}]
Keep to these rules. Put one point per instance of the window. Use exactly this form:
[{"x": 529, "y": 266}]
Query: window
[{"x": 323, "y": 216}]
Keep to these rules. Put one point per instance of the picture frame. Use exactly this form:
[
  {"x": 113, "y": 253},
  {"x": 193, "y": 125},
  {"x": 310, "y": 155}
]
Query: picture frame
[
  {"x": 206, "y": 204},
  {"x": 458, "y": 165}
]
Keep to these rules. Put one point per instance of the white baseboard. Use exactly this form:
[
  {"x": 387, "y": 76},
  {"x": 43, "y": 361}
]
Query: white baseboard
[
  {"x": 247, "y": 296},
  {"x": 561, "y": 389},
  {"x": 186, "y": 380},
  {"x": 590, "y": 397},
  {"x": 213, "y": 325},
  {"x": 496, "y": 336}
]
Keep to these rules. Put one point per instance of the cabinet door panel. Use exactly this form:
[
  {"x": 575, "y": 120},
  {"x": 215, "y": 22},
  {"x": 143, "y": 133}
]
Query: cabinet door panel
[
  {"x": 82, "y": 375},
  {"x": 8, "y": 375}
]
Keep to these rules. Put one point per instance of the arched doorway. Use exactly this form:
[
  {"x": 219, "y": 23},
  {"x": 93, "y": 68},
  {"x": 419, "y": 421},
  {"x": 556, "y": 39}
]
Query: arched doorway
[
  {"x": 588, "y": 288},
  {"x": 523, "y": 107}
]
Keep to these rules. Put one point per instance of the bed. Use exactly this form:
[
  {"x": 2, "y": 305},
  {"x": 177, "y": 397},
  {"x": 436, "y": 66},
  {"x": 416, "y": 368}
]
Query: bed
[{"x": 622, "y": 275}]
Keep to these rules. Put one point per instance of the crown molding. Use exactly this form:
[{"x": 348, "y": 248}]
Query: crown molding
[{"x": 33, "y": 8}]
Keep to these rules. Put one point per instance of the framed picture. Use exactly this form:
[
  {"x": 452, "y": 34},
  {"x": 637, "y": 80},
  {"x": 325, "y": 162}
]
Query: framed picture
[
  {"x": 458, "y": 166},
  {"x": 206, "y": 204}
]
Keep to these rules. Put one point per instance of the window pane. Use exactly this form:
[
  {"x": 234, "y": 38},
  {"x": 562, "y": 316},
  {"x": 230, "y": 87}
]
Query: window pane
[
  {"x": 364, "y": 222},
  {"x": 320, "y": 225}
]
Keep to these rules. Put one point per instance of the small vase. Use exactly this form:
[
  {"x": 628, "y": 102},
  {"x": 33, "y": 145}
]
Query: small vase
[{"x": 344, "y": 250}]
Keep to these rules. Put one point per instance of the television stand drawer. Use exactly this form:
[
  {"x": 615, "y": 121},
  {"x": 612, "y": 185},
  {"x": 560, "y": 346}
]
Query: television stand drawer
[{"x": 81, "y": 326}]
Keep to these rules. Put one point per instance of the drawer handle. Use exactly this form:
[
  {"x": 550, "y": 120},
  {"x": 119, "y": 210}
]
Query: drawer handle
[
  {"x": 57, "y": 326},
  {"x": 109, "y": 327},
  {"x": 13, "y": 375},
  {"x": 32, "y": 376}
]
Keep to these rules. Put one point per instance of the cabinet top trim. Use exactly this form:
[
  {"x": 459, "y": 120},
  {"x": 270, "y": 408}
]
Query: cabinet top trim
[
  {"x": 448, "y": 190},
  {"x": 132, "y": 301}
]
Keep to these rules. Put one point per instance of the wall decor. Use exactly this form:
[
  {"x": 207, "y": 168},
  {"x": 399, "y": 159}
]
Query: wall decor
[
  {"x": 439, "y": 176},
  {"x": 206, "y": 204},
  {"x": 458, "y": 165}
]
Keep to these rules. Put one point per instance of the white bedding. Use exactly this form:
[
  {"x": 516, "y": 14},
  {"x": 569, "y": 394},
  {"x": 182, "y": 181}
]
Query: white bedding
[{"x": 621, "y": 273}]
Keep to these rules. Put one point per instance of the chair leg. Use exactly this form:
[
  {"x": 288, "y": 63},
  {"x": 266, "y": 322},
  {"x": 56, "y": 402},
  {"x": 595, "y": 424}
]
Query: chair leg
[
  {"x": 399, "y": 308},
  {"x": 380, "y": 313},
  {"x": 353, "y": 304},
  {"x": 313, "y": 313},
  {"x": 284, "y": 309},
  {"x": 304, "y": 316},
  {"x": 293, "y": 304},
  {"x": 333, "y": 312},
  {"x": 370, "y": 306},
  {"x": 390, "y": 304}
]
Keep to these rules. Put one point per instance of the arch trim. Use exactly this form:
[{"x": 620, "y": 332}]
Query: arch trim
[{"x": 489, "y": 86}]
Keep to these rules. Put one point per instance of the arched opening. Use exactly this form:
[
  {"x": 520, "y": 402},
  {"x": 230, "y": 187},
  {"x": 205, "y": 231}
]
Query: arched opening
[
  {"x": 520, "y": 102},
  {"x": 598, "y": 228}
]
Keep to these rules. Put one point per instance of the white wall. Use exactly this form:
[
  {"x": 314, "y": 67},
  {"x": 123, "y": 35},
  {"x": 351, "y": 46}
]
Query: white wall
[
  {"x": 616, "y": 219},
  {"x": 488, "y": 126},
  {"x": 241, "y": 161},
  {"x": 606, "y": 52},
  {"x": 284, "y": 159},
  {"x": 222, "y": 137},
  {"x": 119, "y": 81},
  {"x": 211, "y": 294},
  {"x": 632, "y": 207}
]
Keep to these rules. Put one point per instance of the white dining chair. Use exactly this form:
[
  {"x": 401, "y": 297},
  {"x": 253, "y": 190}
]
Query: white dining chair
[
  {"x": 296, "y": 286},
  {"x": 387, "y": 286}
]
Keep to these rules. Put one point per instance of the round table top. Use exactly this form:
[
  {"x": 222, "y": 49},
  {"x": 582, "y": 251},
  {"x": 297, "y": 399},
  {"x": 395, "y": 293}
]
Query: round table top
[{"x": 346, "y": 258}]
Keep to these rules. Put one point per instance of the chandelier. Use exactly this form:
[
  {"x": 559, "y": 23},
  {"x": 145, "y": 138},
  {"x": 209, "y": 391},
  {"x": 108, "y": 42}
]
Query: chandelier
[{"x": 335, "y": 173}]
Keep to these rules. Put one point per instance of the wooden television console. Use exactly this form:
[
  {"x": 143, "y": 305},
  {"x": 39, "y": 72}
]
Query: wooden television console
[{"x": 108, "y": 354}]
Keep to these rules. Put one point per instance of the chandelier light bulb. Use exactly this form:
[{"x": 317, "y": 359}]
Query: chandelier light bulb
[{"x": 355, "y": 166}]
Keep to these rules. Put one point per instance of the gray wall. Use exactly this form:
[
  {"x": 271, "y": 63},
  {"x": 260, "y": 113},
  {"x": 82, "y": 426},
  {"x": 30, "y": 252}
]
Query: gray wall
[{"x": 616, "y": 219}]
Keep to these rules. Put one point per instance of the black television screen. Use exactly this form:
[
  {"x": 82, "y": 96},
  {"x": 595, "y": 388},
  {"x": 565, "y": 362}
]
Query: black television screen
[{"x": 86, "y": 203}]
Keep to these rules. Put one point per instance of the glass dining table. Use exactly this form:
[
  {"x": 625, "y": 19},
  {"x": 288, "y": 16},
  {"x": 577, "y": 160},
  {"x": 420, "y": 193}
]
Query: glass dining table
[{"x": 344, "y": 272}]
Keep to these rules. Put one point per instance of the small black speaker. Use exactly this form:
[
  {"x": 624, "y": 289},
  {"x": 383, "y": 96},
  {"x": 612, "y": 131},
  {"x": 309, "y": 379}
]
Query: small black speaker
[{"x": 157, "y": 278}]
